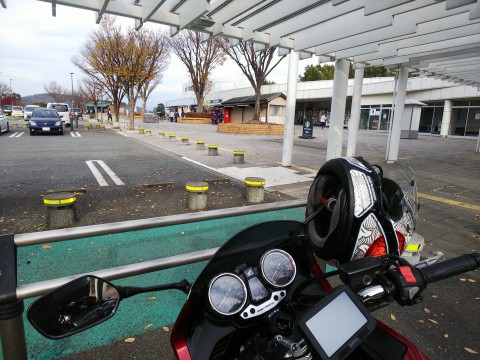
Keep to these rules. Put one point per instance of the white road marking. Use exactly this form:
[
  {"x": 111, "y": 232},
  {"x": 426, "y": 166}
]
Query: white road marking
[
  {"x": 121, "y": 133},
  {"x": 75, "y": 134},
  {"x": 17, "y": 134},
  {"x": 273, "y": 175},
  {"x": 199, "y": 163},
  {"x": 101, "y": 180}
]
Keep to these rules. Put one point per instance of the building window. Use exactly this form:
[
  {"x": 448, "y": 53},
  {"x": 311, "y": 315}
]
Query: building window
[{"x": 276, "y": 110}]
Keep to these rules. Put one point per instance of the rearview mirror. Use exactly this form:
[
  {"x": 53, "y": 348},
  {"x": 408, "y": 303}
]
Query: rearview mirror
[{"x": 74, "y": 307}]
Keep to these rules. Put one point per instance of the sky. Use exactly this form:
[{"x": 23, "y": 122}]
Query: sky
[{"x": 36, "y": 48}]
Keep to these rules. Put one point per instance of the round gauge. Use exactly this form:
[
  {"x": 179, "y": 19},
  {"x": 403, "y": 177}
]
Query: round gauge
[
  {"x": 227, "y": 294},
  {"x": 278, "y": 268}
]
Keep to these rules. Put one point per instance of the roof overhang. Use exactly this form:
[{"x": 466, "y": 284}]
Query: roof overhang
[{"x": 439, "y": 38}]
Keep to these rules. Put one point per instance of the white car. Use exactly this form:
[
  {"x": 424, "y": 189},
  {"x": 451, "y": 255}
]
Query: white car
[
  {"x": 28, "y": 111},
  {"x": 3, "y": 123},
  {"x": 17, "y": 112},
  {"x": 62, "y": 109}
]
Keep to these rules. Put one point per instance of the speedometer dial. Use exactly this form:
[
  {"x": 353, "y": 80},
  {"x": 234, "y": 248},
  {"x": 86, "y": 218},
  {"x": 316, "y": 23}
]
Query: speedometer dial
[
  {"x": 278, "y": 268},
  {"x": 227, "y": 294}
]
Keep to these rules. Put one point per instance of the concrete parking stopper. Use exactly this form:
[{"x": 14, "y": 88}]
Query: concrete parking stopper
[
  {"x": 413, "y": 249},
  {"x": 161, "y": 134},
  {"x": 141, "y": 130},
  {"x": 148, "y": 132},
  {"x": 254, "y": 189},
  {"x": 60, "y": 209},
  {"x": 212, "y": 150},
  {"x": 238, "y": 157},
  {"x": 185, "y": 140},
  {"x": 197, "y": 196},
  {"x": 200, "y": 144},
  {"x": 172, "y": 137}
]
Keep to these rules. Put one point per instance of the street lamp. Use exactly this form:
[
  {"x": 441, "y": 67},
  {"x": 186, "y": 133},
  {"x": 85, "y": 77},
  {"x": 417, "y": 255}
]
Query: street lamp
[{"x": 73, "y": 113}]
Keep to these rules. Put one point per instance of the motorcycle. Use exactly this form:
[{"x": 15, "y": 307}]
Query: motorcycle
[{"x": 265, "y": 295}]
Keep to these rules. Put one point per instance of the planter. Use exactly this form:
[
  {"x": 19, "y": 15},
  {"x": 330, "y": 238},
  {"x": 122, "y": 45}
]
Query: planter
[
  {"x": 192, "y": 120},
  {"x": 251, "y": 129}
]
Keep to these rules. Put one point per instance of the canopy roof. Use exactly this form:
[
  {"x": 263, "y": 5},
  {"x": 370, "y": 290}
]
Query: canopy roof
[
  {"x": 439, "y": 38},
  {"x": 250, "y": 100}
]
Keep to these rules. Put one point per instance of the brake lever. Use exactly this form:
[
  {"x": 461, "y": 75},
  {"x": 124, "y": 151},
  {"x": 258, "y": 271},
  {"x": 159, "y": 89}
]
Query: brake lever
[{"x": 430, "y": 261}]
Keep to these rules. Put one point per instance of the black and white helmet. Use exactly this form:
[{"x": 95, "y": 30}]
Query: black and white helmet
[{"x": 359, "y": 212}]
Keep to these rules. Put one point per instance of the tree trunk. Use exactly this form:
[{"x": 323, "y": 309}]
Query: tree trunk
[
  {"x": 199, "y": 103},
  {"x": 256, "y": 114},
  {"x": 131, "y": 104}
]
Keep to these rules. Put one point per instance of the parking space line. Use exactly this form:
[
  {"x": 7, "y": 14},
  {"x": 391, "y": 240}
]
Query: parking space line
[
  {"x": 123, "y": 134},
  {"x": 17, "y": 134},
  {"x": 98, "y": 176},
  {"x": 75, "y": 134},
  {"x": 448, "y": 201},
  {"x": 109, "y": 171}
]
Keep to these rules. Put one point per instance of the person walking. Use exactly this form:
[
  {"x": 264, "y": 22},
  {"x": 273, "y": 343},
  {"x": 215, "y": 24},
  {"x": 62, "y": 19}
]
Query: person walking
[{"x": 110, "y": 115}]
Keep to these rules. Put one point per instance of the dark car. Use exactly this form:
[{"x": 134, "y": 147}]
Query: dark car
[
  {"x": 45, "y": 121},
  {"x": 7, "y": 110}
]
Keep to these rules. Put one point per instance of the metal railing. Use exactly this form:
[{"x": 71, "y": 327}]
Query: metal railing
[{"x": 11, "y": 324}]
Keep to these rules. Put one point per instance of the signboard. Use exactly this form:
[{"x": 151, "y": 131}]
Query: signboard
[{"x": 307, "y": 129}]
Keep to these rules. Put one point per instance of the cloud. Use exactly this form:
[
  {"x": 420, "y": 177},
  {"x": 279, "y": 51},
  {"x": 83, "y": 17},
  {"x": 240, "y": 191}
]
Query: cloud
[{"x": 37, "y": 48}]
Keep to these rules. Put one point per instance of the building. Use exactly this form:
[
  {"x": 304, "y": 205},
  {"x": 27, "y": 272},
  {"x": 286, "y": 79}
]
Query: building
[{"x": 443, "y": 100}]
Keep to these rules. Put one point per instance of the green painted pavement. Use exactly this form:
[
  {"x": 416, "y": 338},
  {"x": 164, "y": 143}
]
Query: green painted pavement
[{"x": 35, "y": 263}]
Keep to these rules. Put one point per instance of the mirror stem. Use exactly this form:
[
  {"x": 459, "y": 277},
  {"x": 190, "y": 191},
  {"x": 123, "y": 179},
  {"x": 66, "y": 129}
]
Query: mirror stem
[{"x": 128, "y": 291}]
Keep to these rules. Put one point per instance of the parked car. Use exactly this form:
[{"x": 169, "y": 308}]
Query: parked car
[
  {"x": 7, "y": 110},
  {"x": 27, "y": 111},
  {"x": 17, "y": 111},
  {"x": 45, "y": 121},
  {"x": 62, "y": 109},
  {"x": 76, "y": 112},
  {"x": 4, "y": 127}
]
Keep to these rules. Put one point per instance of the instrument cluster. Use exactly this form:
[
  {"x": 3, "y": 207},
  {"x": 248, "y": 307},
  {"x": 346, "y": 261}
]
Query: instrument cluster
[{"x": 262, "y": 287}]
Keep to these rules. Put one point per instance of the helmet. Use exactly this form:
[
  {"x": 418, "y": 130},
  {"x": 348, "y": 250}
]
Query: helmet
[{"x": 354, "y": 211}]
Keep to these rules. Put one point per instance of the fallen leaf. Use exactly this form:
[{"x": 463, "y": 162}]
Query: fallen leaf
[
  {"x": 472, "y": 280},
  {"x": 165, "y": 328},
  {"x": 433, "y": 321},
  {"x": 129, "y": 340},
  {"x": 46, "y": 246},
  {"x": 32, "y": 253},
  {"x": 470, "y": 351},
  {"x": 421, "y": 321},
  {"x": 445, "y": 336},
  {"x": 146, "y": 327},
  {"x": 434, "y": 296},
  {"x": 151, "y": 298},
  {"x": 393, "y": 317},
  {"x": 463, "y": 279},
  {"x": 427, "y": 310}
]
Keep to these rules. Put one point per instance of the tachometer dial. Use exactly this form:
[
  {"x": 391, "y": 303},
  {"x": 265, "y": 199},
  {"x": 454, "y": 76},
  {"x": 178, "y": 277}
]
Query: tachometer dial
[
  {"x": 278, "y": 268},
  {"x": 227, "y": 294}
]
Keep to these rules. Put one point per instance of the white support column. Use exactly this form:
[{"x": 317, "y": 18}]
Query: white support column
[
  {"x": 394, "y": 145},
  {"x": 355, "y": 110},
  {"x": 339, "y": 100},
  {"x": 446, "y": 117},
  {"x": 290, "y": 109}
]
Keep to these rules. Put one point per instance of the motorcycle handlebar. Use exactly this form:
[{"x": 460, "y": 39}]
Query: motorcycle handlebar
[{"x": 449, "y": 268}]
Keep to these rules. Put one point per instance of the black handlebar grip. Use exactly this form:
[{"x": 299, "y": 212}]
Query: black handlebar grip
[{"x": 449, "y": 268}]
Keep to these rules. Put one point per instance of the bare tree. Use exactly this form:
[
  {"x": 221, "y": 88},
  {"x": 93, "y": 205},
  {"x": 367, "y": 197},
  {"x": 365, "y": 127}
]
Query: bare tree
[
  {"x": 55, "y": 91},
  {"x": 256, "y": 66},
  {"x": 4, "y": 89},
  {"x": 200, "y": 58},
  {"x": 145, "y": 55},
  {"x": 100, "y": 59},
  {"x": 89, "y": 89},
  {"x": 147, "y": 89}
]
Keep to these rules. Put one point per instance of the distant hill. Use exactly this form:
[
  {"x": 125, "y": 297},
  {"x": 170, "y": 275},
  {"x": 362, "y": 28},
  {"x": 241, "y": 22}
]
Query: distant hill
[{"x": 32, "y": 99}]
